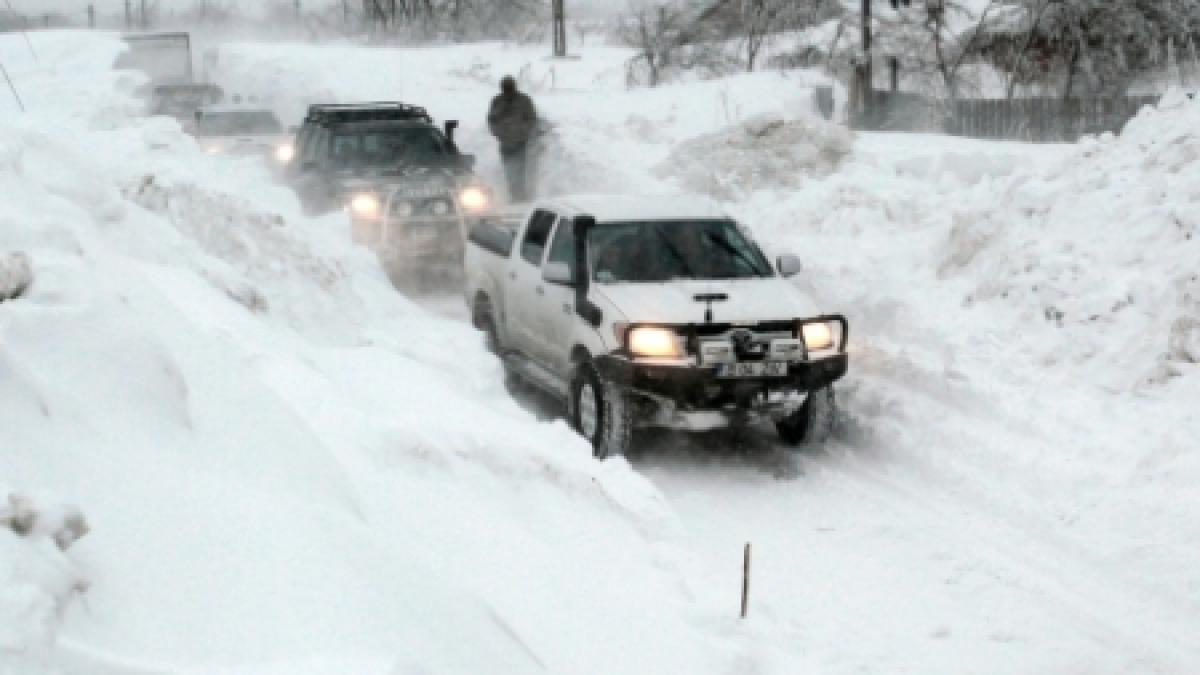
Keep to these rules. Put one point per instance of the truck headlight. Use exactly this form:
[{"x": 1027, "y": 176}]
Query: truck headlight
[
  {"x": 817, "y": 336},
  {"x": 285, "y": 153},
  {"x": 365, "y": 205},
  {"x": 654, "y": 341},
  {"x": 473, "y": 199}
]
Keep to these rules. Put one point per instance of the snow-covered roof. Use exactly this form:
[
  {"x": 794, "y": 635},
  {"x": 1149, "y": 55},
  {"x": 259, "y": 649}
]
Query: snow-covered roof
[{"x": 640, "y": 207}]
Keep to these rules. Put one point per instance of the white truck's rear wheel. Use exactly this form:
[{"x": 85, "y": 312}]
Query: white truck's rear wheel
[
  {"x": 601, "y": 413},
  {"x": 812, "y": 424}
]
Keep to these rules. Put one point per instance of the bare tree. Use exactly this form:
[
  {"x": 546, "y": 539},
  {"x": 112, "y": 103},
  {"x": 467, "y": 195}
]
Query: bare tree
[{"x": 657, "y": 32}]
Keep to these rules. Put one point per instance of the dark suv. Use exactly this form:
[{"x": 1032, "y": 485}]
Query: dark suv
[{"x": 408, "y": 190}]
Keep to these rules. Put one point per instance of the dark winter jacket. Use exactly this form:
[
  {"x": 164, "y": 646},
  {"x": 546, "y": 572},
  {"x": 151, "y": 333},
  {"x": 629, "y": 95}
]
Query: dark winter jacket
[{"x": 511, "y": 120}]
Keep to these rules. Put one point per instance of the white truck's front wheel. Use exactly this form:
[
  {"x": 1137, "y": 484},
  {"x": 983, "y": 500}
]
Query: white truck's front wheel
[
  {"x": 601, "y": 413},
  {"x": 812, "y": 424}
]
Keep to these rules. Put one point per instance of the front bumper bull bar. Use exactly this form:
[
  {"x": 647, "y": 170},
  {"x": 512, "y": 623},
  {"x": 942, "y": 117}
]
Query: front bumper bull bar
[{"x": 694, "y": 398}]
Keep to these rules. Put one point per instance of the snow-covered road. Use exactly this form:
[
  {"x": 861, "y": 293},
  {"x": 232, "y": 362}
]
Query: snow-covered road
[{"x": 1013, "y": 487}]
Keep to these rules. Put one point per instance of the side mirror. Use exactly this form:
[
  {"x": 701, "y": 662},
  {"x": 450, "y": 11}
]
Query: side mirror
[
  {"x": 451, "y": 125},
  {"x": 467, "y": 161},
  {"x": 558, "y": 273},
  {"x": 789, "y": 266},
  {"x": 310, "y": 165}
]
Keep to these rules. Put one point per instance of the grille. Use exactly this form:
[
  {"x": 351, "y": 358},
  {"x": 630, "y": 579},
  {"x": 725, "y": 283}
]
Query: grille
[{"x": 423, "y": 207}]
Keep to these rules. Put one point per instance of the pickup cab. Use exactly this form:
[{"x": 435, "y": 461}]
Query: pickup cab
[{"x": 642, "y": 312}]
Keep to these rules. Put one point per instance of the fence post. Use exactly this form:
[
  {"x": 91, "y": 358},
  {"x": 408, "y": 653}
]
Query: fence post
[{"x": 91, "y": 11}]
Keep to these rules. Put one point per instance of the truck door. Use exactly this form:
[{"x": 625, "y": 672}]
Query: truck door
[
  {"x": 557, "y": 301},
  {"x": 521, "y": 286}
]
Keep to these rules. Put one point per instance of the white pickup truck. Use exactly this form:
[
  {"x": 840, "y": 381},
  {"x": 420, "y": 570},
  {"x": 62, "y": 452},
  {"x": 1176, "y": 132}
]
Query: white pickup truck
[{"x": 653, "y": 312}]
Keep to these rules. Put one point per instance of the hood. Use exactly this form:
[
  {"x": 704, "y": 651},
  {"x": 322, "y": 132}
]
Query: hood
[
  {"x": 419, "y": 180},
  {"x": 750, "y": 301}
]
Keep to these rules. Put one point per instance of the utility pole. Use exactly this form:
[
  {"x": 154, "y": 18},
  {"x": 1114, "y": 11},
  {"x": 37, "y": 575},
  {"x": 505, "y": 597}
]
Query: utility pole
[
  {"x": 866, "y": 74},
  {"x": 560, "y": 28}
]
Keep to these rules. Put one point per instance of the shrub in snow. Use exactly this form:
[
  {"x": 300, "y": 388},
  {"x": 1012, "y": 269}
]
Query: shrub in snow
[
  {"x": 62, "y": 523},
  {"x": 16, "y": 275},
  {"x": 37, "y": 580},
  {"x": 763, "y": 152}
]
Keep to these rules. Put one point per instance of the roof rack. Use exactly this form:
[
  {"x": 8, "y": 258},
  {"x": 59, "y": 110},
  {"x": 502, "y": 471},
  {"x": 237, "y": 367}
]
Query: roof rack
[{"x": 366, "y": 112}]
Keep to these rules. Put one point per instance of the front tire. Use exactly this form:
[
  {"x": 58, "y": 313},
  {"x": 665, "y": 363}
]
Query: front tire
[
  {"x": 601, "y": 412},
  {"x": 812, "y": 424}
]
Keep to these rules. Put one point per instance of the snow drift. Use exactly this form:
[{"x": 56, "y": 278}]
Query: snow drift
[{"x": 767, "y": 151}]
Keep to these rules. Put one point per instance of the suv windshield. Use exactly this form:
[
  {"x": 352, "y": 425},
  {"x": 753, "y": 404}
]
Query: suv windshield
[
  {"x": 383, "y": 146},
  {"x": 656, "y": 251},
  {"x": 241, "y": 122}
]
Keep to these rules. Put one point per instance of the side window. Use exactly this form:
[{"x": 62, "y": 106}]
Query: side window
[
  {"x": 563, "y": 248},
  {"x": 536, "y": 236}
]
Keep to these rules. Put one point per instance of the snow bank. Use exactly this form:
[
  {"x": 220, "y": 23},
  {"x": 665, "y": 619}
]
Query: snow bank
[
  {"x": 1101, "y": 245},
  {"x": 767, "y": 151},
  {"x": 330, "y": 479}
]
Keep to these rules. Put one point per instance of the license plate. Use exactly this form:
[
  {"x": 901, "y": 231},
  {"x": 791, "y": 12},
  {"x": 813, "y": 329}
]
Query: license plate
[{"x": 753, "y": 369}]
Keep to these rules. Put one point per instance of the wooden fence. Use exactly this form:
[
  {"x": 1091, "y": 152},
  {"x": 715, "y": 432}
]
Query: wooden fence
[{"x": 1040, "y": 120}]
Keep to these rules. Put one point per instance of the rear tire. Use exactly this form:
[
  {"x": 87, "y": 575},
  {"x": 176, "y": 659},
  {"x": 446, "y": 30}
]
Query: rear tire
[
  {"x": 601, "y": 412},
  {"x": 811, "y": 425}
]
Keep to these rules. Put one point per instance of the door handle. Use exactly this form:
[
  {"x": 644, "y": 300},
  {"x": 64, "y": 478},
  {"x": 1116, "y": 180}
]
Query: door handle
[
  {"x": 566, "y": 308},
  {"x": 539, "y": 290},
  {"x": 512, "y": 275}
]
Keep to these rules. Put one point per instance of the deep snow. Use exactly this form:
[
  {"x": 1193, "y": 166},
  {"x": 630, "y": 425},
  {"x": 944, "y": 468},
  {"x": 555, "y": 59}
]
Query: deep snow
[{"x": 289, "y": 468}]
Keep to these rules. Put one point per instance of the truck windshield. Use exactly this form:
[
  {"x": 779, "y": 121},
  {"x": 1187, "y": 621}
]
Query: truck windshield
[
  {"x": 240, "y": 123},
  {"x": 657, "y": 251},
  {"x": 389, "y": 146}
]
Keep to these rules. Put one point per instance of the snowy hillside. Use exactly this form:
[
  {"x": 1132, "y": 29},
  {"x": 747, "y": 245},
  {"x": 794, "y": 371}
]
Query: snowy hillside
[{"x": 287, "y": 467}]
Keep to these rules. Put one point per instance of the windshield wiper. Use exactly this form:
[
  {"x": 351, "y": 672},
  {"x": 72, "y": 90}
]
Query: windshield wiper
[
  {"x": 687, "y": 269},
  {"x": 730, "y": 248}
]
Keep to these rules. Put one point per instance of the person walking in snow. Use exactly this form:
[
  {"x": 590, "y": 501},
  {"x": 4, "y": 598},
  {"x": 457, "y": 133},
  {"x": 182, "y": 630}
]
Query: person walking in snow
[{"x": 511, "y": 119}]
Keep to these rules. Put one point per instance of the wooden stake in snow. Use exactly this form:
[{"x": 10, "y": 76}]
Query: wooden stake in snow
[{"x": 746, "y": 580}]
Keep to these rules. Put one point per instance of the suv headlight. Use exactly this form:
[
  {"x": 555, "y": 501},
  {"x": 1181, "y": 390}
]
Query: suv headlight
[
  {"x": 473, "y": 199},
  {"x": 817, "y": 336},
  {"x": 285, "y": 153},
  {"x": 365, "y": 205},
  {"x": 655, "y": 342}
]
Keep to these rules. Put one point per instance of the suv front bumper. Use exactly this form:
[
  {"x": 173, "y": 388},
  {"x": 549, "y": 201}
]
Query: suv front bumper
[{"x": 694, "y": 398}]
